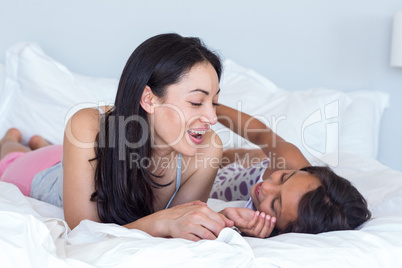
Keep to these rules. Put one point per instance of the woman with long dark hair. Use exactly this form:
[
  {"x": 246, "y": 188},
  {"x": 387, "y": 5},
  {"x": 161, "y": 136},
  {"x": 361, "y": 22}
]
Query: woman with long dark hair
[{"x": 149, "y": 161}]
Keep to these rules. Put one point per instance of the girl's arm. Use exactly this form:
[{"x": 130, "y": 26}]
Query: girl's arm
[{"x": 252, "y": 129}]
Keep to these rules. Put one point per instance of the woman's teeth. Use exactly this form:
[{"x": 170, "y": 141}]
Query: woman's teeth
[
  {"x": 192, "y": 132},
  {"x": 196, "y": 133}
]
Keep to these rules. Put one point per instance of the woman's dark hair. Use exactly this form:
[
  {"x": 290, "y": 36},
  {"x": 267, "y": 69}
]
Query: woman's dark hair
[
  {"x": 336, "y": 205},
  {"x": 123, "y": 188}
]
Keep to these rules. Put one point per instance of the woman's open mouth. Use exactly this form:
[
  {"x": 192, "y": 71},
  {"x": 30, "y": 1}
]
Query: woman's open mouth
[{"x": 196, "y": 135}]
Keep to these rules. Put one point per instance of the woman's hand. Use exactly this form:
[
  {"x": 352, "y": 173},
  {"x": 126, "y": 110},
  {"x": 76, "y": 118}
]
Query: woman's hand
[
  {"x": 193, "y": 221},
  {"x": 252, "y": 223}
]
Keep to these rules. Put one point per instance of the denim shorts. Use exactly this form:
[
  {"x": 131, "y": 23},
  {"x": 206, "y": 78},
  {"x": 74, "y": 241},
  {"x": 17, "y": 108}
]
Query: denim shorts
[{"x": 47, "y": 185}]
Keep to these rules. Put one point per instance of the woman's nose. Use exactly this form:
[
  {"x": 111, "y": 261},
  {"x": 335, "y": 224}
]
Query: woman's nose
[{"x": 210, "y": 116}]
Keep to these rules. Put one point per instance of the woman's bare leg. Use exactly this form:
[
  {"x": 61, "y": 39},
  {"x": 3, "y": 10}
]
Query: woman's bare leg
[{"x": 11, "y": 142}]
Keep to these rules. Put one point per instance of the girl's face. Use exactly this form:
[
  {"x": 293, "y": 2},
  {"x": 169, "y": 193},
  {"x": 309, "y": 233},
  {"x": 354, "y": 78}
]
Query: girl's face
[
  {"x": 181, "y": 119},
  {"x": 279, "y": 195}
]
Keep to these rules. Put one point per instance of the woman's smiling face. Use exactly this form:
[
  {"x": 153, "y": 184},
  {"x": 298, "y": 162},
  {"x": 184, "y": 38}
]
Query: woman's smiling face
[
  {"x": 186, "y": 113},
  {"x": 279, "y": 194}
]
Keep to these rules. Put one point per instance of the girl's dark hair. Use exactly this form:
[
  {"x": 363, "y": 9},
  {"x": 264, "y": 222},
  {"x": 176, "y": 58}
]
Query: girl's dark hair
[
  {"x": 336, "y": 205},
  {"x": 123, "y": 188}
]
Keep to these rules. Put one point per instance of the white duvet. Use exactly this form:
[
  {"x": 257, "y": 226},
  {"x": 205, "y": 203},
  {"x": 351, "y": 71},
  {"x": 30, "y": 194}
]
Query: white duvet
[{"x": 34, "y": 234}]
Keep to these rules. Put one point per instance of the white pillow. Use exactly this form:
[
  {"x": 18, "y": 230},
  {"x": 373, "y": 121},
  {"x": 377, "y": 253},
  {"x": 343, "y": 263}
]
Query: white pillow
[
  {"x": 360, "y": 125},
  {"x": 309, "y": 119},
  {"x": 238, "y": 80},
  {"x": 319, "y": 121},
  {"x": 40, "y": 93}
]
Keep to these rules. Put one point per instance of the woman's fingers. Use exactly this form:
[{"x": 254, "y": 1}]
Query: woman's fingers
[
  {"x": 203, "y": 233},
  {"x": 193, "y": 203},
  {"x": 195, "y": 233},
  {"x": 213, "y": 223},
  {"x": 228, "y": 222},
  {"x": 198, "y": 202},
  {"x": 219, "y": 218},
  {"x": 198, "y": 220}
]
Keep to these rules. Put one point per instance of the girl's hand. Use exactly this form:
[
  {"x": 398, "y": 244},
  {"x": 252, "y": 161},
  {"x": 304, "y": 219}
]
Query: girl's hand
[
  {"x": 193, "y": 221},
  {"x": 252, "y": 223}
]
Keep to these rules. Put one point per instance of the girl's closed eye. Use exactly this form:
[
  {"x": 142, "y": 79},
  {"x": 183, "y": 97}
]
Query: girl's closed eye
[
  {"x": 273, "y": 204},
  {"x": 274, "y": 200},
  {"x": 283, "y": 176}
]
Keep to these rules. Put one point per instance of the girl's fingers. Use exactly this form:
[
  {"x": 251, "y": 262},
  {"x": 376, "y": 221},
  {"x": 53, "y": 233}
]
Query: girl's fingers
[
  {"x": 260, "y": 223},
  {"x": 268, "y": 227},
  {"x": 265, "y": 231},
  {"x": 253, "y": 221},
  {"x": 271, "y": 228}
]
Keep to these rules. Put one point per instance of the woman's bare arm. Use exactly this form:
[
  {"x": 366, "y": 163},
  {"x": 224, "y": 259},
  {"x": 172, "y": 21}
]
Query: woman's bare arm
[{"x": 78, "y": 171}]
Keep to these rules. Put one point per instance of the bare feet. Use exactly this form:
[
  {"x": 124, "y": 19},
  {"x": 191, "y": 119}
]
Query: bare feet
[
  {"x": 12, "y": 134},
  {"x": 37, "y": 142},
  {"x": 11, "y": 142}
]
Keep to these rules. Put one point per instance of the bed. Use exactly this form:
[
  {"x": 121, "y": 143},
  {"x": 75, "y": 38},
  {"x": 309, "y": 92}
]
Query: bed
[{"x": 331, "y": 127}]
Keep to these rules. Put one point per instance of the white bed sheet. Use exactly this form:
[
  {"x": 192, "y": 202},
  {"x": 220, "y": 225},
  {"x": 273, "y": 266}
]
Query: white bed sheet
[{"x": 33, "y": 233}]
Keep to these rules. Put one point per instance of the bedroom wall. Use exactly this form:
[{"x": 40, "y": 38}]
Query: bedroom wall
[{"x": 340, "y": 44}]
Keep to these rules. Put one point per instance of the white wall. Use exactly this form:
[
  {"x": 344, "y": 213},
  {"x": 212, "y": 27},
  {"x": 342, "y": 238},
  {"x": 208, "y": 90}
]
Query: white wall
[{"x": 298, "y": 44}]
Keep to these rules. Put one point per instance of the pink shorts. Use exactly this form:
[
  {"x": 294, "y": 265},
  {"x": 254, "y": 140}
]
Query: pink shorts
[{"x": 19, "y": 168}]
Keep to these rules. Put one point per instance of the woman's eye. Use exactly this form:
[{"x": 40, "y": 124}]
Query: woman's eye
[
  {"x": 215, "y": 104},
  {"x": 196, "y": 104}
]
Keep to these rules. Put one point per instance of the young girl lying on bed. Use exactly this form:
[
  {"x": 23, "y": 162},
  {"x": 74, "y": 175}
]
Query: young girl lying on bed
[
  {"x": 122, "y": 164},
  {"x": 290, "y": 196}
]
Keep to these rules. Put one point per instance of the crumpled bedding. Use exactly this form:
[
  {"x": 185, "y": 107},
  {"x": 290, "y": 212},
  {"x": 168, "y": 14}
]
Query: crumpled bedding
[{"x": 34, "y": 234}]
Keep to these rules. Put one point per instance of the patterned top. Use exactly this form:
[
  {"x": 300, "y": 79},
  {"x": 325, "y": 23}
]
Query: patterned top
[{"x": 234, "y": 182}]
